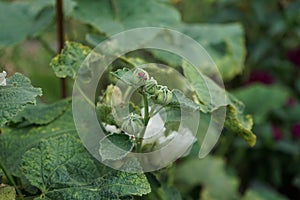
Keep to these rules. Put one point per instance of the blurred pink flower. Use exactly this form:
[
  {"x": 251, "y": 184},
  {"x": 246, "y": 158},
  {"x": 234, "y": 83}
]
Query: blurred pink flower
[
  {"x": 295, "y": 130},
  {"x": 294, "y": 56},
  {"x": 290, "y": 102},
  {"x": 261, "y": 77}
]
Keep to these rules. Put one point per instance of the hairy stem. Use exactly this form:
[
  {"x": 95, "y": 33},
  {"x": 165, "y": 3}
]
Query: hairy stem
[
  {"x": 146, "y": 120},
  {"x": 146, "y": 107}
]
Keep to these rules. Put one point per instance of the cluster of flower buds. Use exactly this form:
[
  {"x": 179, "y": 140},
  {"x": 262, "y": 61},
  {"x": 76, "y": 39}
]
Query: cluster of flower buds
[
  {"x": 162, "y": 95},
  {"x": 140, "y": 78},
  {"x": 158, "y": 93}
]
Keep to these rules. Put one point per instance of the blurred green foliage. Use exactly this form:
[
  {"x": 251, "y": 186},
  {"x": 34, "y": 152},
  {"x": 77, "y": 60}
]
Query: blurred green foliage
[{"x": 269, "y": 89}]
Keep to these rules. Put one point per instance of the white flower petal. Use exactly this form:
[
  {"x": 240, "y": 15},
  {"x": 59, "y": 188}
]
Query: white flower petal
[
  {"x": 2, "y": 78},
  {"x": 154, "y": 130},
  {"x": 181, "y": 143},
  {"x": 111, "y": 128},
  {"x": 155, "y": 126}
]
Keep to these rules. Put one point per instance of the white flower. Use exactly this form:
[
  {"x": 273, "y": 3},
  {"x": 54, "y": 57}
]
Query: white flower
[
  {"x": 155, "y": 128},
  {"x": 2, "y": 78},
  {"x": 155, "y": 133},
  {"x": 180, "y": 141}
]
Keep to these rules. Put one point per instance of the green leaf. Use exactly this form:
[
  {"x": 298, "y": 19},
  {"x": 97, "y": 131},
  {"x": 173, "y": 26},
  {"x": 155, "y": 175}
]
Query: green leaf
[
  {"x": 171, "y": 59},
  {"x": 15, "y": 142},
  {"x": 68, "y": 62},
  {"x": 15, "y": 96},
  {"x": 7, "y": 192},
  {"x": 170, "y": 192},
  {"x": 112, "y": 17},
  {"x": 123, "y": 184},
  {"x": 212, "y": 97},
  {"x": 69, "y": 172},
  {"x": 160, "y": 186},
  {"x": 68, "y": 6},
  {"x": 47, "y": 166},
  {"x": 42, "y": 114},
  {"x": 262, "y": 193},
  {"x": 164, "y": 193},
  {"x": 180, "y": 100},
  {"x": 224, "y": 43},
  {"x": 94, "y": 39},
  {"x": 115, "y": 146},
  {"x": 210, "y": 174},
  {"x": 125, "y": 75},
  {"x": 267, "y": 99},
  {"x": 22, "y": 19}
]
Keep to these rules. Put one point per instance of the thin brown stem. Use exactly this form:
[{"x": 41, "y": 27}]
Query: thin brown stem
[{"x": 60, "y": 40}]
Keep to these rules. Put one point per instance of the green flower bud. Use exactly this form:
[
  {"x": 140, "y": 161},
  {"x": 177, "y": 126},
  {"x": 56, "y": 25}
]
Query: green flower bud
[
  {"x": 150, "y": 86},
  {"x": 140, "y": 76},
  {"x": 162, "y": 95},
  {"x": 133, "y": 124}
]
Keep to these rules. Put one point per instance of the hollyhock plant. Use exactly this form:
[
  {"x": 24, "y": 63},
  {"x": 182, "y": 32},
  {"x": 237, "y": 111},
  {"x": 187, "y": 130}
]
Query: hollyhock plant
[{"x": 147, "y": 127}]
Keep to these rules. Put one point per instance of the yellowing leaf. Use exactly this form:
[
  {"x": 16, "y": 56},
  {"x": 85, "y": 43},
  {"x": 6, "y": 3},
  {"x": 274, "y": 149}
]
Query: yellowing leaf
[
  {"x": 68, "y": 62},
  {"x": 7, "y": 192},
  {"x": 213, "y": 97},
  {"x": 240, "y": 124}
]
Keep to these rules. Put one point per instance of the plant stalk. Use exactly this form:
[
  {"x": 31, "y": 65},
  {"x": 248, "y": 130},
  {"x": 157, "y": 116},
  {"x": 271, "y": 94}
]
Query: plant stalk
[
  {"x": 146, "y": 120},
  {"x": 60, "y": 40},
  {"x": 146, "y": 107}
]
